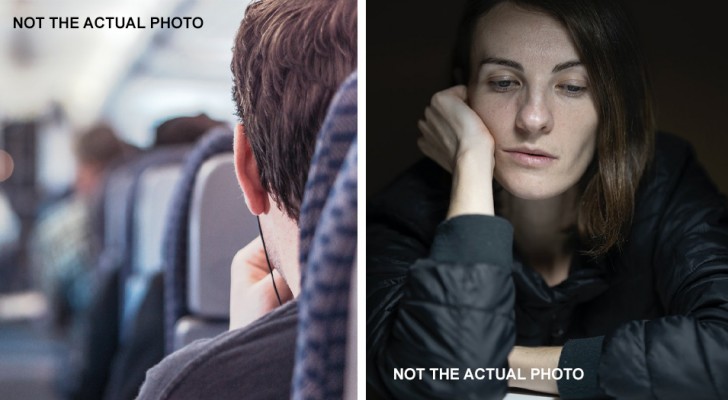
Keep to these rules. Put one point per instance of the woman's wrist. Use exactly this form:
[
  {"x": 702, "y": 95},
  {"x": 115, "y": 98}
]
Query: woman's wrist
[
  {"x": 472, "y": 188},
  {"x": 523, "y": 359}
]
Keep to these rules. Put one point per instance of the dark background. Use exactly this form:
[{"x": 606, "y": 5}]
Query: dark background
[{"x": 408, "y": 60}]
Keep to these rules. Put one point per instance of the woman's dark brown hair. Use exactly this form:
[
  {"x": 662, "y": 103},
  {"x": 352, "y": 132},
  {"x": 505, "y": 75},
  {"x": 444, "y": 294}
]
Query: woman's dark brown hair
[{"x": 606, "y": 43}]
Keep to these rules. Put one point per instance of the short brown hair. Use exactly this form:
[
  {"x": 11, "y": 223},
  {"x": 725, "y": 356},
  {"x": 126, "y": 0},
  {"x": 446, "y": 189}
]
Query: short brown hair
[
  {"x": 289, "y": 58},
  {"x": 605, "y": 40},
  {"x": 183, "y": 130},
  {"x": 98, "y": 145}
]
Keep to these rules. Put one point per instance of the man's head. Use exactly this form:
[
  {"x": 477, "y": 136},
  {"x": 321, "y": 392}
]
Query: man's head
[
  {"x": 183, "y": 130},
  {"x": 289, "y": 58},
  {"x": 95, "y": 149}
]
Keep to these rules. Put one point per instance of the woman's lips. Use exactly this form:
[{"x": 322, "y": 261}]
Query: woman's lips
[{"x": 531, "y": 157}]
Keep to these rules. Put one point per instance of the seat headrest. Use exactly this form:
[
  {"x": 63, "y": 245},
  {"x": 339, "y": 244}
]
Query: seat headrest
[
  {"x": 119, "y": 202},
  {"x": 328, "y": 250},
  {"x": 153, "y": 200},
  {"x": 332, "y": 145},
  {"x": 176, "y": 242},
  {"x": 219, "y": 225}
]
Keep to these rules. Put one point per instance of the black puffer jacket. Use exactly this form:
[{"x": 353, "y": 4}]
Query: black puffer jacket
[{"x": 648, "y": 322}]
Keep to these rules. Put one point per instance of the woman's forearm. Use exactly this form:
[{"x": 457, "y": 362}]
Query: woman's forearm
[
  {"x": 525, "y": 358},
  {"x": 472, "y": 188}
]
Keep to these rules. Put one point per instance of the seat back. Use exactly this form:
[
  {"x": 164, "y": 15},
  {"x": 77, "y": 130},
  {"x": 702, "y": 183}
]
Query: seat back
[
  {"x": 219, "y": 225},
  {"x": 151, "y": 205},
  {"x": 178, "y": 239},
  {"x": 328, "y": 226},
  {"x": 116, "y": 209},
  {"x": 101, "y": 339},
  {"x": 119, "y": 202},
  {"x": 137, "y": 197},
  {"x": 350, "y": 370}
]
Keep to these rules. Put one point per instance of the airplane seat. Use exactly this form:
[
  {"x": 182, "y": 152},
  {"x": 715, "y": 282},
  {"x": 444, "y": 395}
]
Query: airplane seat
[
  {"x": 157, "y": 157},
  {"x": 93, "y": 368},
  {"x": 350, "y": 370},
  {"x": 88, "y": 371},
  {"x": 152, "y": 203},
  {"x": 219, "y": 225},
  {"x": 328, "y": 225},
  {"x": 141, "y": 328},
  {"x": 118, "y": 197},
  {"x": 100, "y": 209},
  {"x": 206, "y": 228},
  {"x": 115, "y": 207}
]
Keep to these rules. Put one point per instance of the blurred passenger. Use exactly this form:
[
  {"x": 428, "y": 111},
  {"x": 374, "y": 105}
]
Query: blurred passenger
[
  {"x": 183, "y": 130},
  {"x": 64, "y": 245},
  {"x": 289, "y": 58}
]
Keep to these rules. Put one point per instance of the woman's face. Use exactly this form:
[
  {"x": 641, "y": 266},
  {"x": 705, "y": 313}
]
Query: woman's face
[{"x": 531, "y": 91}]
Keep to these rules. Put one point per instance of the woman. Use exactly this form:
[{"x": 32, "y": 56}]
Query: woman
[{"x": 565, "y": 233}]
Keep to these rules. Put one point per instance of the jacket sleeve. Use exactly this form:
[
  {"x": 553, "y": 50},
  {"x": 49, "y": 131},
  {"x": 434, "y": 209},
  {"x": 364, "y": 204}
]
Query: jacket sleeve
[
  {"x": 685, "y": 354},
  {"x": 449, "y": 305}
]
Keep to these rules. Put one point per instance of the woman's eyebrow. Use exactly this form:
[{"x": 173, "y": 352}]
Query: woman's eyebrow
[
  {"x": 517, "y": 66},
  {"x": 565, "y": 65},
  {"x": 502, "y": 61}
]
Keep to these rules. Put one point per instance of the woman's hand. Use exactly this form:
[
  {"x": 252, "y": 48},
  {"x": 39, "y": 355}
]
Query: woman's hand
[
  {"x": 455, "y": 137},
  {"x": 251, "y": 289},
  {"x": 451, "y": 129},
  {"x": 527, "y": 358}
]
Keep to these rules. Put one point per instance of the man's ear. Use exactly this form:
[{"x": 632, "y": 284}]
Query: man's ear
[{"x": 246, "y": 170}]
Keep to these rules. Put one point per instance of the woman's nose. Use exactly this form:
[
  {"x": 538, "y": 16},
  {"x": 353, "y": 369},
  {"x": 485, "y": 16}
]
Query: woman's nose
[{"x": 534, "y": 114}]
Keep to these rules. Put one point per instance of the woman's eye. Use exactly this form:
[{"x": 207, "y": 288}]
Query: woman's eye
[
  {"x": 573, "y": 90},
  {"x": 504, "y": 85}
]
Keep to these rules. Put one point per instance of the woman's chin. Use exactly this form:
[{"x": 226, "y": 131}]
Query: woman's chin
[{"x": 532, "y": 189}]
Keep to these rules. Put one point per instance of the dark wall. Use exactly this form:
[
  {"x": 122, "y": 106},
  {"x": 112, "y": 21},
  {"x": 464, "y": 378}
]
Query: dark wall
[{"x": 408, "y": 57}]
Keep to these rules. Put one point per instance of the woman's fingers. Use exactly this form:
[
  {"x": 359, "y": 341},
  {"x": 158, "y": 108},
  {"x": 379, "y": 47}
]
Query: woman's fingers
[
  {"x": 431, "y": 146},
  {"x": 442, "y": 127},
  {"x": 434, "y": 154},
  {"x": 451, "y": 126},
  {"x": 459, "y": 91}
]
